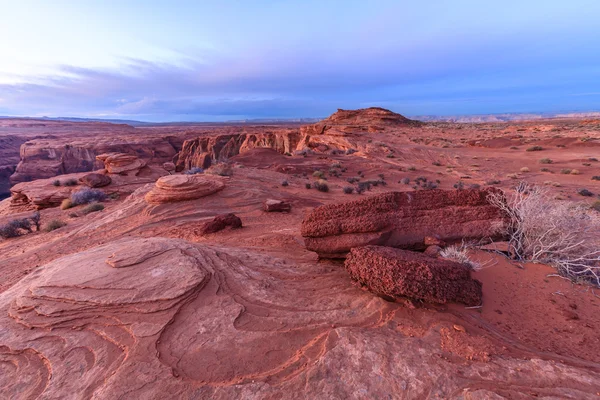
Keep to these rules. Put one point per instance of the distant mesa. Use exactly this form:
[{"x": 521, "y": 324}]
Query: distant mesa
[{"x": 368, "y": 116}]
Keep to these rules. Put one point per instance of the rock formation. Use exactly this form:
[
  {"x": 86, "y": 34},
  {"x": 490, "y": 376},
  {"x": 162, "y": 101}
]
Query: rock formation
[
  {"x": 393, "y": 272},
  {"x": 401, "y": 219},
  {"x": 174, "y": 188},
  {"x": 207, "y": 150},
  {"x": 95, "y": 180},
  {"x": 121, "y": 163}
]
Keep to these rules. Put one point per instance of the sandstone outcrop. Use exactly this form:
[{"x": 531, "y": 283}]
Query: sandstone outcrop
[
  {"x": 393, "y": 273},
  {"x": 174, "y": 188},
  {"x": 272, "y": 205},
  {"x": 121, "y": 163},
  {"x": 207, "y": 150},
  {"x": 221, "y": 222},
  {"x": 95, "y": 180},
  {"x": 401, "y": 219}
]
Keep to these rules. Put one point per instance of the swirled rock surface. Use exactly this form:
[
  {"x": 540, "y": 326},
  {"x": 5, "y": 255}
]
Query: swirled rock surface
[
  {"x": 401, "y": 219},
  {"x": 121, "y": 163},
  {"x": 394, "y": 272},
  {"x": 174, "y": 188}
]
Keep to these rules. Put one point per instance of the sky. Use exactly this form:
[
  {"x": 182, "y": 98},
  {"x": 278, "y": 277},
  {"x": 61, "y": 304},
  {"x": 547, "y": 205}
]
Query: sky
[{"x": 184, "y": 60}]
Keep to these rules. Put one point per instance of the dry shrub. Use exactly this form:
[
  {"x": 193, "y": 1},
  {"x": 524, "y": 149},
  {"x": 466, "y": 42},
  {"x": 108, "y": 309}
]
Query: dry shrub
[
  {"x": 459, "y": 254},
  {"x": 563, "y": 235}
]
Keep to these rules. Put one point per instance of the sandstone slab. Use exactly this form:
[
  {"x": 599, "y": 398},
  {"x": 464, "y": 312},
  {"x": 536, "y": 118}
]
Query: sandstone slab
[
  {"x": 272, "y": 205},
  {"x": 95, "y": 180},
  {"x": 401, "y": 219}
]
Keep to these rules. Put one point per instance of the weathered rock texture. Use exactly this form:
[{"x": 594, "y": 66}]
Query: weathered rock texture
[
  {"x": 174, "y": 188},
  {"x": 401, "y": 219},
  {"x": 394, "y": 273},
  {"x": 221, "y": 222}
]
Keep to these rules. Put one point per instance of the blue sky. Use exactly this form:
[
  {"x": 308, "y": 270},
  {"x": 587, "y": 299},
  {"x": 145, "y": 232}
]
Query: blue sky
[{"x": 219, "y": 60}]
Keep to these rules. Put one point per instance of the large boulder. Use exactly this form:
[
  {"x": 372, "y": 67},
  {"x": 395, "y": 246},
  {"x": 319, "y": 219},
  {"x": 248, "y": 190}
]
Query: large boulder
[
  {"x": 402, "y": 219},
  {"x": 393, "y": 272},
  {"x": 174, "y": 188}
]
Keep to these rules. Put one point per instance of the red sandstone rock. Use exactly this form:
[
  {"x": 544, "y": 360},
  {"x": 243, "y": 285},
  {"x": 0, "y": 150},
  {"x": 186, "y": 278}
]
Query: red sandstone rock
[
  {"x": 121, "y": 163},
  {"x": 394, "y": 272},
  {"x": 272, "y": 205},
  {"x": 174, "y": 188},
  {"x": 432, "y": 250},
  {"x": 221, "y": 222},
  {"x": 95, "y": 180},
  {"x": 401, "y": 219}
]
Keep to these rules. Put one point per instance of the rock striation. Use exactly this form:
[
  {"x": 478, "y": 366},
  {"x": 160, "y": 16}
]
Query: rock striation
[
  {"x": 401, "y": 219},
  {"x": 174, "y": 188},
  {"x": 121, "y": 163},
  {"x": 393, "y": 273}
]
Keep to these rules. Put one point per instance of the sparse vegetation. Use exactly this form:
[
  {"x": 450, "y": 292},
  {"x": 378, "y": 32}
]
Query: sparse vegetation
[
  {"x": 535, "y": 148},
  {"x": 493, "y": 182},
  {"x": 348, "y": 189},
  {"x": 308, "y": 185},
  {"x": 66, "y": 204},
  {"x": 525, "y": 169},
  {"x": 459, "y": 254},
  {"x": 512, "y": 176},
  {"x": 546, "y": 161},
  {"x": 575, "y": 172},
  {"x": 56, "y": 182},
  {"x": 93, "y": 207},
  {"x": 70, "y": 182},
  {"x": 321, "y": 186},
  {"x": 194, "y": 171},
  {"x": 319, "y": 174},
  {"x": 585, "y": 192},
  {"x": 558, "y": 234},
  {"x": 285, "y": 183},
  {"x": 53, "y": 225},
  {"x": 565, "y": 171},
  {"x": 405, "y": 181},
  {"x": 85, "y": 196},
  {"x": 545, "y": 170},
  {"x": 596, "y": 178}
]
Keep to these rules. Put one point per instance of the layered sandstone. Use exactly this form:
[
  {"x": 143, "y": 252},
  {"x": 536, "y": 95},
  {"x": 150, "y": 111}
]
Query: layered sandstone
[
  {"x": 393, "y": 273},
  {"x": 401, "y": 219},
  {"x": 174, "y": 188},
  {"x": 121, "y": 163}
]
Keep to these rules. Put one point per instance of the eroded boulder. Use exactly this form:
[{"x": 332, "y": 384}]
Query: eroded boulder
[
  {"x": 221, "y": 222},
  {"x": 394, "y": 272},
  {"x": 403, "y": 220},
  {"x": 174, "y": 188}
]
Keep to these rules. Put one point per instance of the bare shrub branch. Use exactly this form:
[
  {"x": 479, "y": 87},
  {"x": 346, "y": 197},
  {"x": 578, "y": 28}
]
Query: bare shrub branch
[{"x": 559, "y": 234}]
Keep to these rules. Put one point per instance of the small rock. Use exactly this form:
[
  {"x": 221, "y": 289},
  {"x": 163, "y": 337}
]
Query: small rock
[
  {"x": 433, "y": 241},
  {"x": 272, "y": 205},
  {"x": 221, "y": 222},
  {"x": 433, "y": 250}
]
